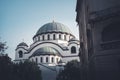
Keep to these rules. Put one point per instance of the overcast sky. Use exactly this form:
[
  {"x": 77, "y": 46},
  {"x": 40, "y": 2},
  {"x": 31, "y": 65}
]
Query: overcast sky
[{"x": 20, "y": 19}]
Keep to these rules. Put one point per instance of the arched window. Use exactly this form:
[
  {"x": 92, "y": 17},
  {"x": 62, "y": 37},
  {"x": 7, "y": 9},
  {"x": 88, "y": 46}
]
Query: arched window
[
  {"x": 41, "y": 59},
  {"x": 52, "y": 60},
  {"x": 38, "y": 38},
  {"x": 48, "y": 37},
  {"x": 73, "y": 49},
  {"x": 43, "y": 38},
  {"x": 64, "y": 37},
  {"x": 46, "y": 59},
  {"x": 36, "y": 60},
  {"x": 59, "y": 36},
  {"x": 20, "y": 54},
  {"x": 53, "y": 36}
]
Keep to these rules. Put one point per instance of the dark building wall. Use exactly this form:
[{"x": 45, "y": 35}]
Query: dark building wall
[
  {"x": 106, "y": 48},
  {"x": 99, "y": 22},
  {"x": 107, "y": 67},
  {"x": 97, "y": 5}
]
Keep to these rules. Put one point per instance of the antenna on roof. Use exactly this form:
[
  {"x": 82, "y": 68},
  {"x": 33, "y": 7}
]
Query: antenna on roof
[
  {"x": 22, "y": 40},
  {"x": 53, "y": 19}
]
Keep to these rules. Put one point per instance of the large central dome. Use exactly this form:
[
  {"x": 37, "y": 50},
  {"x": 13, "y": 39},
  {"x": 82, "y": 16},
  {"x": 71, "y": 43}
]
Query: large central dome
[{"x": 53, "y": 27}]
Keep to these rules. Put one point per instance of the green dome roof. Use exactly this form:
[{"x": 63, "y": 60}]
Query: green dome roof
[
  {"x": 45, "y": 51},
  {"x": 73, "y": 39},
  {"x": 53, "y": 27},
  {"x": 22, "y": 44}
]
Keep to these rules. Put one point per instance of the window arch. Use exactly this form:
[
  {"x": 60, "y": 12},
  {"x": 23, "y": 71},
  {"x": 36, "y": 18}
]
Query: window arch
[
  {"x": 64, "y": 37},
  {"x": 59, "y": 36},
  {"x": 73, "y": 49},
  {"x": 46, "y": 59},
  {"x": 53, "y": 36},
  {"x": 38, "y": 38},
  {"x": 41, "y": 59},
  {"x": 52, "y": 60},
  {"x": 43, "y": 38},
  {"x": 36, "y": 60},
  {"x": 20, "y": 54},
  {"x": 48, "y": 37}
]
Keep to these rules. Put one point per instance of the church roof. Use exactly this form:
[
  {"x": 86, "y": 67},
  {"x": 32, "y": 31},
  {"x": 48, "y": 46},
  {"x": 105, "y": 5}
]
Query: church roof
[
  {"x": 45, "y": 51},
  {"x": 53, "y": 27},
  {"x": 22, "y": 44},
  {"x": 73, "y": 39}
]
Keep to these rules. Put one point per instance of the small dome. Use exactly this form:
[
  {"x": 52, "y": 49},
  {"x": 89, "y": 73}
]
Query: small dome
[
  {"x": 53, "y": 27},
  {"x": 46, "y": 51},
  {"x": 73, "y": 39},
  {"x": 22, "y": 44}
]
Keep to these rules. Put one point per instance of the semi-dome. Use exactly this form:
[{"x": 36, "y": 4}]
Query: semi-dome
[
  {"x": 22, "y": 44},
  {"x": 53, "y": 27},
  {"x": 45, "y": 51},
  {"x": 73, "y": 39}
]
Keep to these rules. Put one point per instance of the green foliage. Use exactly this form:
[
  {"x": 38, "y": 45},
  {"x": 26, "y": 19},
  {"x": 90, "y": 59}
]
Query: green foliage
[
  {"x": 71, "y": 71},
  {"x": 27, "y": 71},
  {"x": 23, "y": 71},
  {"x": 3, "y": 47},
  {"x": 5, "y": 67}
]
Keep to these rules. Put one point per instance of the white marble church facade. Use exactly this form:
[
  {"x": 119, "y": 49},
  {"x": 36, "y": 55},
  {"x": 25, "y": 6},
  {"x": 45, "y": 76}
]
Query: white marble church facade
[{"x": 53, "y": 45}]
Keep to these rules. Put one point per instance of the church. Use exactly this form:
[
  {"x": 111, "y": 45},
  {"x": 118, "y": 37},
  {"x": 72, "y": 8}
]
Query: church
[{"x": 53, "y": 46}]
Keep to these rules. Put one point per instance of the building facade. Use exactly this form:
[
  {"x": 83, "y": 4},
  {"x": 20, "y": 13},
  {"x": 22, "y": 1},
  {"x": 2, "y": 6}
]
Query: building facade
[
  {"x": 53, "y": 45},
  {"x": 99, "y": 22}
]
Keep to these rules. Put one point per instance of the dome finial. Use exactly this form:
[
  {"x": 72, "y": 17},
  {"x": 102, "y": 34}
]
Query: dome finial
[
  {"x": 53, "y": 19},
  {"x": 22, "y": 40}
]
